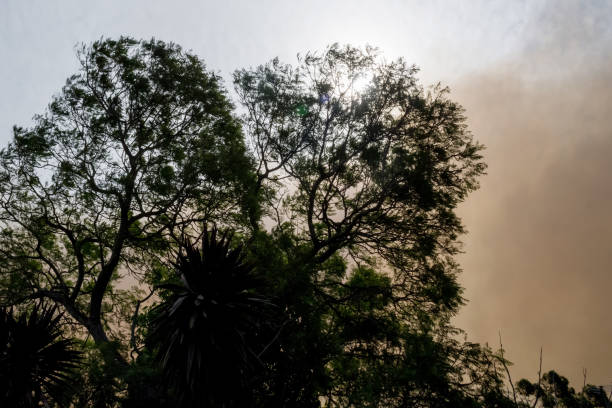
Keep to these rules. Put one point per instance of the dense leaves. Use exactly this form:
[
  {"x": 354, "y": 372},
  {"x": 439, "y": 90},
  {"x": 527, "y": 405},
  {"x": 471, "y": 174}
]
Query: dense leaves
[
  {"x": 342, "y": 183},
  {"x": 553, "y": 390},
  {"x": 361, "y": 170},
  {"x": 36, "y": 362},
  {"x": 376, "y": 169},
  {"x": 138, "y": 146},
  {"x": 211, "y": 332}
]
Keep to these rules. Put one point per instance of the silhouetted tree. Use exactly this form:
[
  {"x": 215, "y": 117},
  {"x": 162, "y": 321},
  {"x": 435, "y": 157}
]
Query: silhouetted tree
[
  {"x": 345, "y": 204},
  {"x": 360, "y": 170},
  {"x": 211, "y": 332},
  {"x": 138, "y": 146},
  {"x": 36, "y": 362},
  {"x": 553, "y": 390}
]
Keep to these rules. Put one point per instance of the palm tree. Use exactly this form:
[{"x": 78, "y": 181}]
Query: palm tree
[
  {"x": 35, "y": 361},
  {"x": 214, "y": 327}
]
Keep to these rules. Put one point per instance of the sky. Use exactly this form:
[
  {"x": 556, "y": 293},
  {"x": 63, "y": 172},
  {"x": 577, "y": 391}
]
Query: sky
[{"x": 535, "y": 79}]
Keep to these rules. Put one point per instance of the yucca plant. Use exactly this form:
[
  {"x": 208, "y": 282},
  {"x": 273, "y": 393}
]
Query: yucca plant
[
  {"x": 212, "y": 330},
  {"x": 35, "y": 361}
]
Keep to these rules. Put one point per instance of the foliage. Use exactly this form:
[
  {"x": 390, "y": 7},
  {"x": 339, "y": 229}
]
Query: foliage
[
  {"x": 105, "y": 383},
  {"x": 553, "y": 390},
  {"x": 36, "y": 363},
  {"x": 212, "y": 331},
  {"x": 342, "y": 191},
  {"x": 360, "y": 170},
  {"x": 372, "y": 171},
  {"x": 100, "y": 378},
  {"x": 138, "y": 146}
]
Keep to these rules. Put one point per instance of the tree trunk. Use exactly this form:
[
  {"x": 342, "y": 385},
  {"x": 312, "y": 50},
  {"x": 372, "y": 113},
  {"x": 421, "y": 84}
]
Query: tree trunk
[{"x": 99, "y": 335}]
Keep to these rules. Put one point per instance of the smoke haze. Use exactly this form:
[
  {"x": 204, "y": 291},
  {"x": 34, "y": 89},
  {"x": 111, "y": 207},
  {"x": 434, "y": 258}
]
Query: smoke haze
[
  {"x": 538, "y": 255},
  {"x": 534, "y": 76}
]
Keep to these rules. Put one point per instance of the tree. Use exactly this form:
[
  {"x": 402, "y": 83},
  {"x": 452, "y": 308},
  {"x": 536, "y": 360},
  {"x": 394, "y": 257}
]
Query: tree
[
  {"x": 342, "y": 191},
  {"x": 211, "y": 332},
  {"x": 35, "y": 361},
  {"x": 553, "y": 390},
  {"x": 139, "y": 145},
  {"x": 360, "y": 170}
]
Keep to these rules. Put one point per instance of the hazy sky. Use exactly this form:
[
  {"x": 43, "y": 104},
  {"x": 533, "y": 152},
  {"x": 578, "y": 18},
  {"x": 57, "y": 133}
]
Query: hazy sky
[{"x": 535, "y": 78}]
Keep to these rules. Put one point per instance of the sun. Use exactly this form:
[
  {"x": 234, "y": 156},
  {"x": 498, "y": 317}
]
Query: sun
[{"x": 360, "y": 83}]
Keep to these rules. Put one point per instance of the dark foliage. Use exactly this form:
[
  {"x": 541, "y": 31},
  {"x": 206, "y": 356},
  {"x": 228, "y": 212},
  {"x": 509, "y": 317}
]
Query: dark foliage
[
  {"x": 212, "y": 331},
  {"x": 139, "y": 145},
  {"x": 36, "y": 363},
  {"x": 360, "y": 170},
  {"x": 346, "y": 202},
  {"x": 554, "y": 390}
]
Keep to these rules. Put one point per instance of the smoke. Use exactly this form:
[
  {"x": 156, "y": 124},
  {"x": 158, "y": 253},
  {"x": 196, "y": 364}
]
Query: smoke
[{"x": 538, "y": 255}]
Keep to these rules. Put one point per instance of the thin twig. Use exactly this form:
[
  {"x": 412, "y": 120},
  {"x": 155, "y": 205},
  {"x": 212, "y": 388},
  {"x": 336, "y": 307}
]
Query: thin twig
[
  {"x": 539, "y": 381},
  {"x": 273, "y": 339},
  {"x": 503, "y": 361},
  {"x": 133, "y": 326}
]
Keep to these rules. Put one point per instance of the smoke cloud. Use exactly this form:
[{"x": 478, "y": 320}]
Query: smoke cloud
[{"x": 538, "y": 255}]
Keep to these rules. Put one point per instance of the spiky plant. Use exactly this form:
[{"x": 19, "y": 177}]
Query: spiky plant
[
  {"x": 35, "y": 361},
  {"x": 211, "y": 331}
]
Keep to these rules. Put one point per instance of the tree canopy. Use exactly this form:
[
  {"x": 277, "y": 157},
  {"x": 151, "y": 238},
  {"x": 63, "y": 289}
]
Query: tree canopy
[
  {"x": 360, "y": 170},
  {"x": 328, "y": 277},
  {"x": 371, "y": 172},
  {"x": 138, "y": 145}
]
